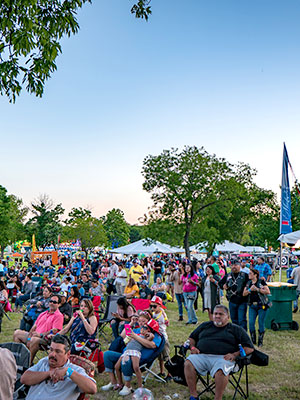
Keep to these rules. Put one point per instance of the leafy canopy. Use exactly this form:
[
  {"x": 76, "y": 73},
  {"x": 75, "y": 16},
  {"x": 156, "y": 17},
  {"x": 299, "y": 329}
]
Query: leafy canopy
[
  {"x": 202, "y": 195},
  {"x": 30, "y": 35}
]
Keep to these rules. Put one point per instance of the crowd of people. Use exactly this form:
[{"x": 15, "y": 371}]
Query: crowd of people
[{"x": 62, "y": 300}]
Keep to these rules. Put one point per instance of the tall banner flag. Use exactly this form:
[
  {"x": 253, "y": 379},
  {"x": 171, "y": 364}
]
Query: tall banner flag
[{"x": 285, "y": 211}]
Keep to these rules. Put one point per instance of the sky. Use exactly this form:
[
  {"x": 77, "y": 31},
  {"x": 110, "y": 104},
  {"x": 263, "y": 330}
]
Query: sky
[{"x": 219, "y": 74}]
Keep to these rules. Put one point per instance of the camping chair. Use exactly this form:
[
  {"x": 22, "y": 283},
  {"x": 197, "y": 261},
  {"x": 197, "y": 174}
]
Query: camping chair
[
  {"x": 111, "y": 307},
  {"x": 22, "y": 357},
  {"x": 234, "y": 379},
  {"x": 87, "y": 365},
  {"x": 146, "y": 365},
  {"x": 141, "y": 304}
]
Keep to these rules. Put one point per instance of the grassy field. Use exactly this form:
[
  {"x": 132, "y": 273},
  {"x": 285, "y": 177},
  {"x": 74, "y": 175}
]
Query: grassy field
[{"x": 280, "y": 380}]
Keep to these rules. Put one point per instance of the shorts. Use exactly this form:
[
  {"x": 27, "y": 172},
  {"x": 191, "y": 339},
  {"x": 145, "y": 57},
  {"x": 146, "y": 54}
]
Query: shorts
[
  {"x": 211, "y": 363},
  {"x": 165, "y": 354},
  {"x": 134, "y": 353}
]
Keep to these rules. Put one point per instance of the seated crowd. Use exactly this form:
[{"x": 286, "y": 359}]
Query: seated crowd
[{"x": 63, "y": 301}]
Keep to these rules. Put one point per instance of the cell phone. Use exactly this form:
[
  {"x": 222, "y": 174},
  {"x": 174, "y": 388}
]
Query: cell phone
[{"x": 127, "y": 328}]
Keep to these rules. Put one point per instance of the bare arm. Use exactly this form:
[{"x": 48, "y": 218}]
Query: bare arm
[
  {"x": 91, "y": 326},
  {"x": 144, "y": 342},
  {"x": 67, "y": 327},
  {"x": 84, "y": 383},
  {"x": 34, "y": 377}
]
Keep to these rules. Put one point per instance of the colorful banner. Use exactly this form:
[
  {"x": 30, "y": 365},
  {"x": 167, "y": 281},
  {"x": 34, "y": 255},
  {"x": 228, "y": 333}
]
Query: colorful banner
[{"x": 285, "y": 211}]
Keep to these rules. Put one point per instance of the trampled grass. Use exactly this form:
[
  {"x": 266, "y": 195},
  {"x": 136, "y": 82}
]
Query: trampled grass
[{"x": 280, "y": 380}]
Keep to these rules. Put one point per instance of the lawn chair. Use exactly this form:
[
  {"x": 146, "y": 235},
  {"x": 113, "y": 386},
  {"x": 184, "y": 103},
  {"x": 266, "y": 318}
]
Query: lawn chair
[
  {"x": 235, "y": 377},
  {"x": 141, "y": 304},
  {"x": 87, "y": 365},
  {"x": 22, "y": 357},
  {"x": 146, "y": 365},
  {"x": 111, "y": 307}
]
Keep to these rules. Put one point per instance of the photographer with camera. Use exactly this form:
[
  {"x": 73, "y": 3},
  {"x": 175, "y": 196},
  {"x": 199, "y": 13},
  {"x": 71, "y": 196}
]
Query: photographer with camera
[{"x": 234, "y": 283}]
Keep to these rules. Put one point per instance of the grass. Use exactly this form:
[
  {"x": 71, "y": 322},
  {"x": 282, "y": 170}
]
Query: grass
[{"x": 277, "y": 381}]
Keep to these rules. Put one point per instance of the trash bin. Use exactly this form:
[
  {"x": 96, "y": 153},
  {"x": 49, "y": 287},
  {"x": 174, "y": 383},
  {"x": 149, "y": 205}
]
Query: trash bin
[{"x": 280, "y": 315}]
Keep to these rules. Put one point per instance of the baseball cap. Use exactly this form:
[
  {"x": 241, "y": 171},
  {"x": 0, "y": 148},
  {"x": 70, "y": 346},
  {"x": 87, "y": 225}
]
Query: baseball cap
[
  {"x": 144, "y": 283},
  {"x": 157, "y": 300},
  {"x": 153, "y": 325}
]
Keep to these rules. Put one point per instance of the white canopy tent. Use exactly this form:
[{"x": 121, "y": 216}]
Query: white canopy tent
[
  {"x": 292, "y": 238},
  {"x": 230, "y": 247},
  {"x": 146, "y": 246},
  {"x": 255, "y": 249}
]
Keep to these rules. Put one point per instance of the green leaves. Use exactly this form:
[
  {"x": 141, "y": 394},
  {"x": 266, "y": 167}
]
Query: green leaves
[{"x": 30, "y": 33}]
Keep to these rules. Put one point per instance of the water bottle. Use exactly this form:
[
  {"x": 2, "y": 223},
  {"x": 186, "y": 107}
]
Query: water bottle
[
  {"x": 242, "y": 351},
  {"x": 186, "y": 344}
]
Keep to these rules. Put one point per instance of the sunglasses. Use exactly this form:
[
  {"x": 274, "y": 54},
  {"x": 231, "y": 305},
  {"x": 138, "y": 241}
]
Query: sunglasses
[
  {"x": 153, "y": 306},
  {"x": 53, "y": 301}
]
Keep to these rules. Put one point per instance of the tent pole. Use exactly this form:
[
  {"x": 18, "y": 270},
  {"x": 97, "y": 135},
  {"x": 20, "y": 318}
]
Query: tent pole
[{"x": 280, "y": 261}]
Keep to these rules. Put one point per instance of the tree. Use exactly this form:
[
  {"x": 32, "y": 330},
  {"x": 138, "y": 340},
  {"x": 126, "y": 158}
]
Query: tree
[
  {"x": 12, "y": 214},
  {"x": 46, "y": 223},
  {"x": 135, "y": 233},
  {"x": 200, "y": 192},
  {"x": 89, "y": 230},
  {"x": 30, "y": 35},
  {"x": 116, "y": 228}
]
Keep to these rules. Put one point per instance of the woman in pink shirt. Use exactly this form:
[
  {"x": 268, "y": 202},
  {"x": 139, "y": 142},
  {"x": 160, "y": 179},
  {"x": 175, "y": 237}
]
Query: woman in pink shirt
[{"x": 190, "y": 285}]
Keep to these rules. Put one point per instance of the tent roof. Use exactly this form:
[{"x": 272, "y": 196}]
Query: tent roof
[
  {"x": 291, "y": 238},
  {"x": 255, "y": 249},
  {"x": 143, "y": 246},
  {"x": 230, "y": 247}
]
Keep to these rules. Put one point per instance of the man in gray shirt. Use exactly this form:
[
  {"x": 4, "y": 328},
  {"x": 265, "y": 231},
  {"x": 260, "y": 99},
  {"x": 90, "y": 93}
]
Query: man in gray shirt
[
  {"x": 55, "y": 378},
  {"x": 296, "y": 276}
]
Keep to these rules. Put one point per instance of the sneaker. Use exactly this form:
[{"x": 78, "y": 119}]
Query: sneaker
[
  {"x": 180, "y": 318},
  {"x": 125, "y": 391},
  {"x": 107, "y": 387},
  {"x": 161, "y": 375}
]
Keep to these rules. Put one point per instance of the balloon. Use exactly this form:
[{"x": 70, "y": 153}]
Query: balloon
[{"x": 142, "y": 394}]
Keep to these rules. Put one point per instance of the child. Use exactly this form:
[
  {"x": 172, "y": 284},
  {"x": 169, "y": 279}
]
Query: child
[{"x": 133, "y": 350}]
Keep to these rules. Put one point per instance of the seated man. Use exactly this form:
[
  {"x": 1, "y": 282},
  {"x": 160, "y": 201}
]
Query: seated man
[
  {"x": 46, "y": 323},
  {"x": 8, "y": 374},
  {"x": 214, "y": 347},
  {"x": 55, "y": 378}
]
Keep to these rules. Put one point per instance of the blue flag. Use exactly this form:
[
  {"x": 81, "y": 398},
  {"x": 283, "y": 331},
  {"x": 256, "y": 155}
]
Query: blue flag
[{"x": 285, "y": 212}]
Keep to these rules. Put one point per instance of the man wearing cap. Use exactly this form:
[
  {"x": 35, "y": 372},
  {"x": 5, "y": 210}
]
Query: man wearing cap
[
  {"x": 145, "y": 292},
  {"x": 234, "y": 284},
  {"x": 136, "y": 271},
  {"x": 65, "y": 308},
  {"x": 214, "y": 346}
]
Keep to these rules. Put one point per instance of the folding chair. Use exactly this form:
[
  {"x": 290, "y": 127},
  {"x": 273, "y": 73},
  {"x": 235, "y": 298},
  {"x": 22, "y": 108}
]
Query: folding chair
[
  {"x": 235, "y": 378},
  {"x": 111, "y": 307},
  {"x": 140, "y": 304},
  {"x": 87, "y": 365},
  {"x": 22, "y": 357},
  {"x": 146, "y": 365}
]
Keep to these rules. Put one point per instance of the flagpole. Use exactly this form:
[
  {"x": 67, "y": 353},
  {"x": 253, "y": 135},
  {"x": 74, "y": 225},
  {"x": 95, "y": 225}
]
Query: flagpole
[{"x": 280, "y": 263}]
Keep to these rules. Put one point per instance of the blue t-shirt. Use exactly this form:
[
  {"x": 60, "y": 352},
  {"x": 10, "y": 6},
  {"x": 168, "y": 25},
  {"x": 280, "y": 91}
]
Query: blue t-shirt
[{"x": 146, "y": 353}]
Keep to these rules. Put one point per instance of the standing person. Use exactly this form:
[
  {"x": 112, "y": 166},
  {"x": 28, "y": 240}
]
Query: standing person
[
  {"x": 120, "y": 281},
  {"x": 157, "y": 266},
  {"x": 210, "y": 291},
  {"x": 296, "y": 277},
  {"x": 213, "y": 262},
  {"x": 169, "y": 282},
  {"x": 176, "y": 279},
  {"x": 234, "y": 284},
  {"x": 112, "y": 273},
  {"x": 189, "y": 288},
  {"x": 136, "y": 271},
  {"x": 257, "y": 290},
  {"x": 264, "y": 269}
]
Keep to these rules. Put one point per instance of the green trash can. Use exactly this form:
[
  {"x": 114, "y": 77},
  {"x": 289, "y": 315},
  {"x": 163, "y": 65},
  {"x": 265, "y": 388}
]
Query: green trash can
[{"x": 280, "y": 316}]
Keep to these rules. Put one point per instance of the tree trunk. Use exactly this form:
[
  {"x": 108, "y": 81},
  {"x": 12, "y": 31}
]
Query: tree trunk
[{"x": 186, "y": 241}]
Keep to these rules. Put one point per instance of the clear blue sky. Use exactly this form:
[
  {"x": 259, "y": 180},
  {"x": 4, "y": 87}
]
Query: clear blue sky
[{"x": 219, "y": 74}]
